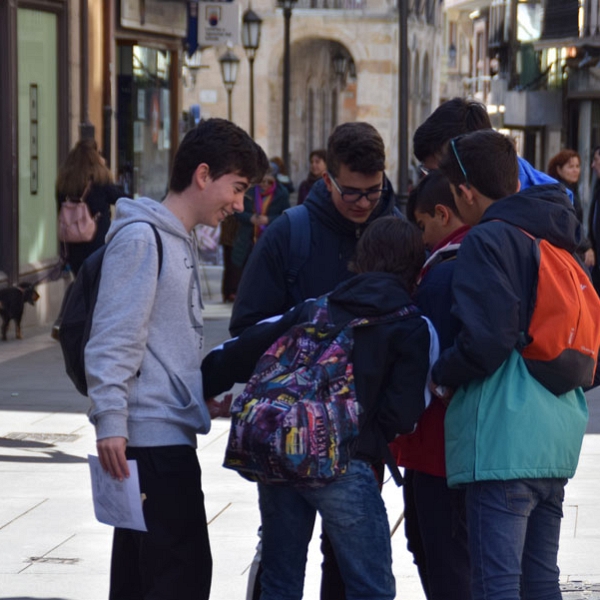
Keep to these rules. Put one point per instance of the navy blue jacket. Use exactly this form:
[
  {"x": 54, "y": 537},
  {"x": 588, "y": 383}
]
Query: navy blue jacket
[
  {"x": 263, "y": 291},
  {"x": 494, "y": 279},
  {"x": 391, "y": 360}
]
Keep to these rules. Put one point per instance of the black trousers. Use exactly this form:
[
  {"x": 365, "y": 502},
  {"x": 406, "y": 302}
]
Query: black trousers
[
  {"x": 172, "y": 560},
  {"x": 436, "y": 531}
]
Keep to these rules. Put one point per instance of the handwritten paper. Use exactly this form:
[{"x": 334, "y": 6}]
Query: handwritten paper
[{"x": 117, "y": 503}]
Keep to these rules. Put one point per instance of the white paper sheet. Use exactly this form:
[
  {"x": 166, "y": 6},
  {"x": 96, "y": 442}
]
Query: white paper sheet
[{"x": 117, "y": 503}]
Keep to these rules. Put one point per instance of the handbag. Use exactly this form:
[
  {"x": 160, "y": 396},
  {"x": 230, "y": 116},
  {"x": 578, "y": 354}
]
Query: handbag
[{"x": 75, "y": 221}]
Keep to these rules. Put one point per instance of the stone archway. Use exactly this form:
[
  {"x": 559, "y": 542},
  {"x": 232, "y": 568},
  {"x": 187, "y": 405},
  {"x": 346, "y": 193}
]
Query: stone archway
[{"x": 319, "y": 100}]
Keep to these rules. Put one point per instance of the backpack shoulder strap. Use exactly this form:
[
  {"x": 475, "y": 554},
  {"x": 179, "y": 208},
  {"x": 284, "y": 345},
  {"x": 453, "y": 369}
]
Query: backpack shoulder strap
[
  {"x": 159, "y": 246},
  {"x": 299, "y": 248}
]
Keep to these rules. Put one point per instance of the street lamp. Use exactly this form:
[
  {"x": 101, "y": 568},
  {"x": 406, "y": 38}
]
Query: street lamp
[
  {"x": 340, "y": 60},
  {"x": 287, "y": 16},
  {"x": 229, "y": 66},
  {"x": 193, "y": 63},
  {"x": 352, "y": 70},
  {"x": 403, "y": 104},
  {"x": 251, "y": 24}
]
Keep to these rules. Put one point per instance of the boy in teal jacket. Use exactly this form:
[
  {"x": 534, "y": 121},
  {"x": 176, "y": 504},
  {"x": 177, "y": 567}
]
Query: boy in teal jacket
[{"x": 509, "y": 440}]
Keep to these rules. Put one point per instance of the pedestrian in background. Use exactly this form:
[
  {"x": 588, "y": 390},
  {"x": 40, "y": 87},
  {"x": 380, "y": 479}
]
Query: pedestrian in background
[
  {"x": 318, "y": 166},
  {"x": 594, "y": 218},
  {"x": 84, "y": 176},
  {"x": 143, "y": 361},
  {"x": 263, "y": 203},
  {"x": 565, "y": 167},
  {"x": 231, "y": 272},
  {"x": 281, "y": 173}
]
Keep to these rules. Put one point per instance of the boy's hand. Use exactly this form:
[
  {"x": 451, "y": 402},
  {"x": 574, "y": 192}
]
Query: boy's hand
[
  {"x": 219, "y": 409},
  {"x": 442, "y": 392},
  {"x": 111, "y": 452}
]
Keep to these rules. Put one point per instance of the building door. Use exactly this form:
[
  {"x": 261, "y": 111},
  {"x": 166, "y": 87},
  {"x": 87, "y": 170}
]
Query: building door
[{"x": 37, "y": 80}]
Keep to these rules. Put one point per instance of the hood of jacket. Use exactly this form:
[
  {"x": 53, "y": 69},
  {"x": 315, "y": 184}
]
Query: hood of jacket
[
  {"x": 544, "y": 211},
  {"x": 319, "y": 200},
  {"x": 370, "y": 294},
  {"x": 148, "y": 211}
]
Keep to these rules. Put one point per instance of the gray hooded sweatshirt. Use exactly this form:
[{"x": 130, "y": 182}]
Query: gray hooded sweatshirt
[{"x": 145, "y": 349}]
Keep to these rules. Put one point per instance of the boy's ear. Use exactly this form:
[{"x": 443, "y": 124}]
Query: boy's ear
[
  {"x": 467, "y": 192},
  {"x": 444, "y": 213},
  {"x": 201, "y": 175}
]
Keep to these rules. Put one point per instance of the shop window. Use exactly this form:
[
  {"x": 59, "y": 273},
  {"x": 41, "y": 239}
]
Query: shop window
[
  {"x": 144, "y": 120},
  {"x": 561, "y": 19}
]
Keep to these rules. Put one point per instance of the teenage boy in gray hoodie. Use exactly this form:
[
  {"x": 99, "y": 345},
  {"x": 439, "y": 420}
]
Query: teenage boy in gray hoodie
[{"x": 143, "y": 361}]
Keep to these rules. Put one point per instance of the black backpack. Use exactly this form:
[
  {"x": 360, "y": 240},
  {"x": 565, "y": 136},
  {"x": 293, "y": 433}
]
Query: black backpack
[{"x": 78, "y": 310}]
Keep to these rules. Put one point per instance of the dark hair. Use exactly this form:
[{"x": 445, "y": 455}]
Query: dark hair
[
  {"x": 391, "y": 245},
  {"x": 452, "y": 118},
  {"x": 321, "y": 153},
  {"x": 224, "y": 147},
  {"x": 83, "y": 164},
  {"x": 280, "y": 164},
  {"x": 489, "y": 160},
  {"x": 560, "y": 160},
  {"x": 433, "y": 189},
  {"x": 358, "y": 146},
  {"x": 596, "y": 149}
]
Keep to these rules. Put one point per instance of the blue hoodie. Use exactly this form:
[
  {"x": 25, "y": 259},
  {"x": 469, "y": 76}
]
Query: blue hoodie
[{"x": 528, "y": 176}]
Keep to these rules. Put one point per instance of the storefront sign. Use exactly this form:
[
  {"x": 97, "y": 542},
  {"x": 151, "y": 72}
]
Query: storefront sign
[
  {"x": 169, "y": 18},
  {"x": 218, "y": 23}
]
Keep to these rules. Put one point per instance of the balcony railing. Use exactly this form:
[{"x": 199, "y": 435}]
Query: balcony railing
[
  {"x": 426, "y": 9},
  {"x": 333, "y": 4}
]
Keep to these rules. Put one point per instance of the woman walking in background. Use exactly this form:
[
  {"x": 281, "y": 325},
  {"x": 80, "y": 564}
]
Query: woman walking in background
[
  {"x": 281, "y": 173},
  {"x": 566, "y": 168},
  {"x": 84, "y": 177},
  {"x": 262, "y": 204},
  {"x": 318, "y": 166}
]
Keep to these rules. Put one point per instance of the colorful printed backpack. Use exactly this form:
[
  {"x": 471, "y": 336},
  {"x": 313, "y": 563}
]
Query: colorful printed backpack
[{"x": 297, "y": 420}]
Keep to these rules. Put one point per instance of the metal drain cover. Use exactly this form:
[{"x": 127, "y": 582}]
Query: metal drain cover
[{"x": 55, "y": 561}]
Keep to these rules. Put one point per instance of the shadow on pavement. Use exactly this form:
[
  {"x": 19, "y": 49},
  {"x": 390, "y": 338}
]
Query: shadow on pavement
[{"x": 49, "y": 455}]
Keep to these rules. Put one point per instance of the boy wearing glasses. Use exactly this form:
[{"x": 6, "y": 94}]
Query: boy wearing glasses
[
  {"x": 353, "y": 193},
  {"x": 510, "y": 441}
]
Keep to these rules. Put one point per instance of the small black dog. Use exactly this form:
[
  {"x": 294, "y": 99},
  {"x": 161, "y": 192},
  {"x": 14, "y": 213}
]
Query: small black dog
[{"x": 12, "y": 303}]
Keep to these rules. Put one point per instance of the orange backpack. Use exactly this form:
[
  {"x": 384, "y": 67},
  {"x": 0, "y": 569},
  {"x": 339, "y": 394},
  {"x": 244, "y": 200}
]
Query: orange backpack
[{"x": 564, "y": 331}]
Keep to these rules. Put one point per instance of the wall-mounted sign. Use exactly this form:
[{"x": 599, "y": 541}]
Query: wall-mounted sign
[
  {"x": 218, "y": 23},
  {"x": 168, "y": 18}
]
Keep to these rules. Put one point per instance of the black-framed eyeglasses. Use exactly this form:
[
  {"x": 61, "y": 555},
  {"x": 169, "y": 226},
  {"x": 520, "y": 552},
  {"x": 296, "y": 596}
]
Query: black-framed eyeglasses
[
  {"x": 354, "y": 196},
  {"x": 460, "y": 164}
]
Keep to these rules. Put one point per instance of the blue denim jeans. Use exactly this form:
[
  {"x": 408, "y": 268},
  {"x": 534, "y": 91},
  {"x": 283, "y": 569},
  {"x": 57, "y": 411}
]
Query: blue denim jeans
[
  {"x": 355, "y": 519},
  {"x": 514, "y": 529}
]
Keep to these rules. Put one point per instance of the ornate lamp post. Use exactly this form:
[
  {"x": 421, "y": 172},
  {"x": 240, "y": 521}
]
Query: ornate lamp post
[
  {"x": 193, "y": 63},
  {"x": 340, "y": 60},
  {"x": 403, "y": 105},
  {"x": 251, "y": 24},
  {"x": 229, "y": 67},
  {"x": 287, "y": 6}
]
